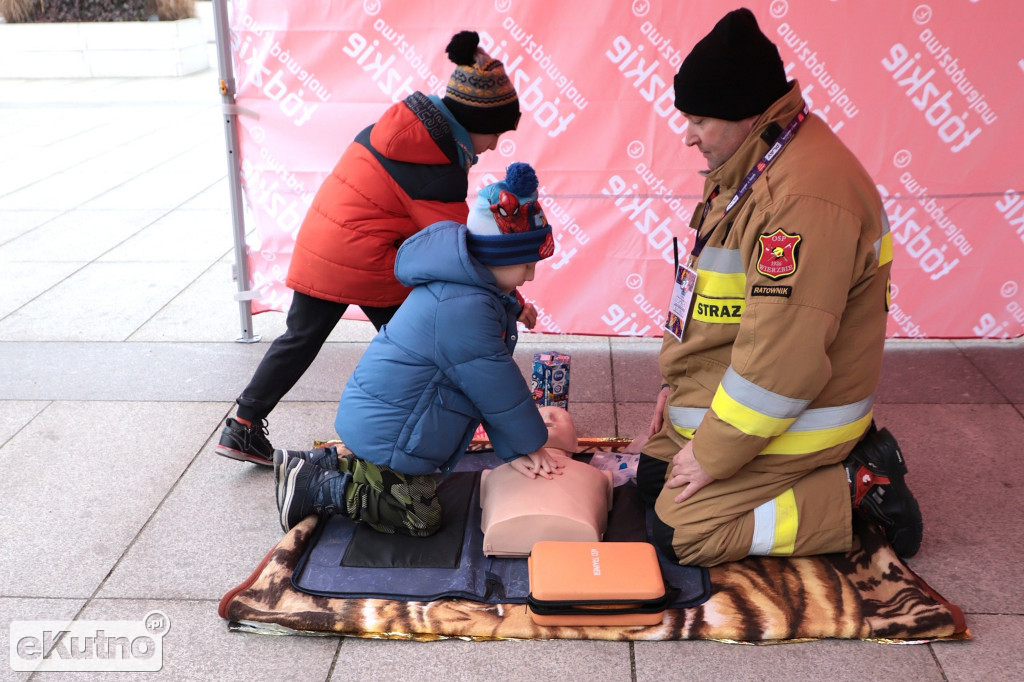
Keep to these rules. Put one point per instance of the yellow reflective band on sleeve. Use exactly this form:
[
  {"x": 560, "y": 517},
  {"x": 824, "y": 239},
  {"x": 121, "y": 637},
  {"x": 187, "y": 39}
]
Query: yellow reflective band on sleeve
[
  {"x": 802, "y": 442},
  {"x": 885, "y": 249},
  {"x": 685, "y": 432},
  {"x": 746, "y": 419},
  {"x": 721, "y": 284},
  {"x": 775, "y": 526},
  {"x": 719, "y": 310},
  {"x": 813, "y": 431}
]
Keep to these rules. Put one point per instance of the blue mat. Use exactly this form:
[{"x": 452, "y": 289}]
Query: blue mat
[{"x": 349, "y": 560}]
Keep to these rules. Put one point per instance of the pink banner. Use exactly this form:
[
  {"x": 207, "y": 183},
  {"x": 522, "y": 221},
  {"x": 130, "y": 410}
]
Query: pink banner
[{"x": 926, "y": 95}]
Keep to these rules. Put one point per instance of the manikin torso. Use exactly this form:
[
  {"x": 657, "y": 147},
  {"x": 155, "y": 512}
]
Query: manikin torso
[{"x": 518, "y": 511}]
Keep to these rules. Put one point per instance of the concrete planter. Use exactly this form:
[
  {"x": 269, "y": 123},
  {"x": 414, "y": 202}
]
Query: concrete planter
[{"x": 103, "y": 49}]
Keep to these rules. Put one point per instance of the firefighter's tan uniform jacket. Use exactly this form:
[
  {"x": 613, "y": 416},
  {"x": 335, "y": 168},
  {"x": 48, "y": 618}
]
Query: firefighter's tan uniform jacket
[{"x": 775, "y": 376}]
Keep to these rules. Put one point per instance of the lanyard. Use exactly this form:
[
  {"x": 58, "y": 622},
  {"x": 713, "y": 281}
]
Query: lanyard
[{"x": 784, "y": 137}]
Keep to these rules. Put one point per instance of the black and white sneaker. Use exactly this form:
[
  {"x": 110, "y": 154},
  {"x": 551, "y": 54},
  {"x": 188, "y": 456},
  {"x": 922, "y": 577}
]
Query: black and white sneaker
[
  {"x": 307, "y": 489},
  {"x": 325, "y": 458}
]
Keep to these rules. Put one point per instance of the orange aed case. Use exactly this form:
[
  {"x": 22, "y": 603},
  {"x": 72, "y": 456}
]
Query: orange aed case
[{"x": 596, "y": 583}]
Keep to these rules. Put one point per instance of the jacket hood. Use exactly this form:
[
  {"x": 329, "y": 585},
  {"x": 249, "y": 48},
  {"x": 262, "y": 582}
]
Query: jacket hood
[{"x": 439, "y": 254}]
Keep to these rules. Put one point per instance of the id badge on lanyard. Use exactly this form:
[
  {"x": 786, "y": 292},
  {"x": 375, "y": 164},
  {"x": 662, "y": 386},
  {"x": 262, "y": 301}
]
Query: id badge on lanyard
[{"x": 681, "y": 304}]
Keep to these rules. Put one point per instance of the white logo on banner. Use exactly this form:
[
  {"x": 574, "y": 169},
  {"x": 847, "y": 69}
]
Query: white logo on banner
[
  {"x": 294, "y": 103},
  {"x": 989, "y": 327},
  {"x": 778, "y": 9},
  {"x": 627, "y": 324},
  {"x": 906, "y": 322},
  {"x": 640, "y": 73},
  {"x": 638, "y": 209},
  {"x": 922, "y": 14},
  {"x": 830, "y": 88},
  {"x": 382, "y": 69},
  {"x": 938, "y": 214},
  {"x": 623, "y": 323},
  {"x": 559, "y": 216},
  {"x": 914, "y": 236},
  {"x": 502, "y": 6},
  {"x": 506, "y": 147},
  {"x": 635, "y": 149},
  {"x": 567, "y": 225},
  {"x": 372, "y": 7},
  {"x": 641, "y": 8},
  {"x": 1010, "y": 206},
  {"x": 935, "y": 99},
  {"x": 396, "y": 38},
  {"x": 544, "y": 319},
  {"x": 902, "y": 158},
  {"x": 1016, "y": 310},
  {"x": 534, "y": 92}
]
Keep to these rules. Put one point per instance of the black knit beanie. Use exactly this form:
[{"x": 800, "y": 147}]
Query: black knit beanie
[
  {"x": 732, "y": 73},
  {"x": 479, "y": 93}
]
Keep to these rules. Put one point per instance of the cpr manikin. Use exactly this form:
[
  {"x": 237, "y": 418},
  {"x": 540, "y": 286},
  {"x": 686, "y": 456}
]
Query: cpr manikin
[{"x": 518, "y": 511}]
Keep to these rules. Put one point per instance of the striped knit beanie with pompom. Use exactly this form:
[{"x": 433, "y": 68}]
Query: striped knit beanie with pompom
[{"x": 479, "y": 93}]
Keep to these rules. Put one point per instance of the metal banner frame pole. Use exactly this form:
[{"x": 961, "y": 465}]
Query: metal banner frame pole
[{"x": 244, "y": 295}]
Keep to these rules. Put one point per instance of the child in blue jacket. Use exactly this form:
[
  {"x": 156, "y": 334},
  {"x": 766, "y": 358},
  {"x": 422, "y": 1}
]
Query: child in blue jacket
[{"x": 441, "y": 367}]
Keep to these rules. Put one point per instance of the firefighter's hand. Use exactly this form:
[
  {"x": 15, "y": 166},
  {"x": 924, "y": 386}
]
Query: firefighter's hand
[
  {"x": 686, "y": 471},
  {"x": 658, "y": 419}
]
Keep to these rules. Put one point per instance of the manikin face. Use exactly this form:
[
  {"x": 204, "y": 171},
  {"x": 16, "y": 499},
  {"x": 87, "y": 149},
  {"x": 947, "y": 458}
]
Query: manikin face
[
  {"x": 716, "y": 138},
  {"x": 511, "y": 277},
  {"x": 561, "y": 430},
  {"x": 483, "y": 142}
]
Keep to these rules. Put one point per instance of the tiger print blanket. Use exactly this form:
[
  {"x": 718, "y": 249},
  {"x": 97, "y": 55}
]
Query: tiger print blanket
[{"x": 868, "y": 593}]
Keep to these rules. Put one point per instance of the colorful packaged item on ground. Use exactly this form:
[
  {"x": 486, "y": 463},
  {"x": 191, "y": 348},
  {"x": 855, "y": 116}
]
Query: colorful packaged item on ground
[{"x": 550, "y": 381}]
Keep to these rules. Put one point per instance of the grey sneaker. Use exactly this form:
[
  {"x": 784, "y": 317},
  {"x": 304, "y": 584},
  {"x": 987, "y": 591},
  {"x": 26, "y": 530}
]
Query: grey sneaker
[
  {"x": 308, "y": 489},
  {"x": 246, "y": 443}
]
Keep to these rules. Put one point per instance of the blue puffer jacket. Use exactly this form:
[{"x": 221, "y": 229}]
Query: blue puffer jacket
[{"x": 441, "y": 366}]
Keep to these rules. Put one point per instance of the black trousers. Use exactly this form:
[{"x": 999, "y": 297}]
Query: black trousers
[
  {"x": 310, "y": 321},
  {"x": 650, "y": 477}
]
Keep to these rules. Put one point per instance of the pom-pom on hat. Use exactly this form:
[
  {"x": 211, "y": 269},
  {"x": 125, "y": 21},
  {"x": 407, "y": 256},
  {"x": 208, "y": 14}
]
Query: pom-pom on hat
[
  {"x": 733, "y": 72},
  {"x": 479, "y": 93},
  {"x": 506, "y": 223}
]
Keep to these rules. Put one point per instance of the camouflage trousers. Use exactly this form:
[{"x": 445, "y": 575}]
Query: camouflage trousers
[{"x": 391, "y": 502}]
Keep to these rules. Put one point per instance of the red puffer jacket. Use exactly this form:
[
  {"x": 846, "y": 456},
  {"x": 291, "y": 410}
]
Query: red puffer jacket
[{"x": 398, "y": 176}]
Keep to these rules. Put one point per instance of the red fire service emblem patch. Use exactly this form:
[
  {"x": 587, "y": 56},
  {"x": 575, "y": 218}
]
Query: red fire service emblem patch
[{"x": 778, "y": 254}]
